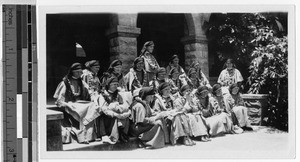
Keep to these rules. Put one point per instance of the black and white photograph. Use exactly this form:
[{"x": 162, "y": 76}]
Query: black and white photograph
[{"x": 163, "y": 81}]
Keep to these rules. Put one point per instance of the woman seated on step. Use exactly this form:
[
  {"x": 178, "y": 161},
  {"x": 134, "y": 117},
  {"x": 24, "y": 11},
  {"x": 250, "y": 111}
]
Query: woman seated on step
[
  {"x": 114, "y": 70},
  {"x": 195, "y": 82},
  {"x": 177, "y": 121},
  {"x": 161, "y": 77},
  {"x": 73, "y": 96},
  {"x": 218, "y": 122},
  {"x": 150, "y": 128},
  {"x": 176, "y": 81},
  {"x": 137, "y": 76},
  {"x": 238, "y": 107},
  {"x": 114, "y": 121},
  {"x": 174, "y": 63},
  {"x": 220, "y": 103},
  {"x": 90, "y": 76}
]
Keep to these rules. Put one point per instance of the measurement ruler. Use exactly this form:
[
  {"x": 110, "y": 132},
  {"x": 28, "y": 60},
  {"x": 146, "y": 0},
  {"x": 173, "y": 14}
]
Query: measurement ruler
[
  {"x": 19, "y": 83},
  {"x": 9, "y": 83}
]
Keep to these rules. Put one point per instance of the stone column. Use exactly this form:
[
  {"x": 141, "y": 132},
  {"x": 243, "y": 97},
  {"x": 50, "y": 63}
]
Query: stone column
[
  {"x": 122, "y": 39},
  {"x": 196, "y": 49},
  {"x": 195, "y": 41}
]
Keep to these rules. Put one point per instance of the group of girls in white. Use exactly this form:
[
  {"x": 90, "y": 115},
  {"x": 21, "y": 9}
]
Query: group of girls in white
[{"x": 157, "y": 105}]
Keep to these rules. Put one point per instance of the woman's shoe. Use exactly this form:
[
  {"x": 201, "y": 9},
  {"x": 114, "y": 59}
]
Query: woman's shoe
[
  {"x": 204, "y": 139},
  {"x": 187, "y": 142},
  {"x": 192, "y": 142},
  {"x": 237, "y": 129}
]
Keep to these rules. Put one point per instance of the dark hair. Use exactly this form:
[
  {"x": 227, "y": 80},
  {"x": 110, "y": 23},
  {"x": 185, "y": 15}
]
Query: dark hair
[
  {"x": 174, "y": 57},
  {"x": 136, "y": 61},
  {"x": 233, "y": 86},
  {"x": 163, "y": 86},
  {"x": 231, "y": 61},
  {"x": 200, "y": 89},
  {"x": 215, "y": 88},
  {"x": 144, "y": 49},
  {"x": 183, "y": 88},
  {"x": 146, "y": 91}
]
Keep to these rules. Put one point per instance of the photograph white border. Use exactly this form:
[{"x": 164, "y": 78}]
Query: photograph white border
[{"x": 43, "y": 9}]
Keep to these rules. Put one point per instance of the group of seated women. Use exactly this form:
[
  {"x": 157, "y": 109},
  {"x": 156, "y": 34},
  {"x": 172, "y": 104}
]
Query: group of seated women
[{"x": 157, "y": 105}]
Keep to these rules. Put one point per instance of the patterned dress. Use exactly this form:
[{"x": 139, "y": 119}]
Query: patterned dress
[
  {"x": 153, "y": 133},
  {"x": 113, "y": 104},
  {"x": 151, "y": 65},
  {"x": 134, "y": 80},
  {"x": 239, "y": 109},
  {"x": 80, "y": 112},
  {"x": 228, "y": 77},
  {"x": 217, "y": 120},
  {"x": 93, "y": 82}
]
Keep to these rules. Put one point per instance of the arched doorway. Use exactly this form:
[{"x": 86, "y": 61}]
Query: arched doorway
[
  {"x": 63, "y": 32},
  {"x": 166, "y": 30}
]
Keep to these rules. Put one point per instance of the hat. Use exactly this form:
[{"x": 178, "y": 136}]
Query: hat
[
  {"x": 184, "y": 87},
  {"x": 232, "y": 86},
  {"x": 76, "y": 66},
  {"x": 92, "y": 63},
  {"x": 172, "y": 71},
  {"x": 138, "y": 60},
  {"x": 111, "y": 80},
  {"x": 174, "y": 57},
  {"x": 201, "y": 89},
  {"x": 215, "y": 88},
  {"x": 146, "y": 91},
  {"x": 163, "y": 86},
  {"x": 115, "y": 63},
  {"x": 149, "y": 43},
  {"x": 191, "y": 71}
]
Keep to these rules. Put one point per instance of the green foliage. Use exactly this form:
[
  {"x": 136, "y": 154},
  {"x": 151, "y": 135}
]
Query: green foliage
[{"x": 259, "y": 41}]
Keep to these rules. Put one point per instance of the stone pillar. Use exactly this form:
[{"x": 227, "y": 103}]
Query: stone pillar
[
  {"x": 195, "y": 41},
  {"x": 123, "y": 39},
  {"x": 196, "y": 49}
]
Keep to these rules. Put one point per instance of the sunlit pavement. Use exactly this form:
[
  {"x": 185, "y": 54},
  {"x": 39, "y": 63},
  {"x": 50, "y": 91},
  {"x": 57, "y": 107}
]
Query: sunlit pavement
[{"x": 263, "y": 142}]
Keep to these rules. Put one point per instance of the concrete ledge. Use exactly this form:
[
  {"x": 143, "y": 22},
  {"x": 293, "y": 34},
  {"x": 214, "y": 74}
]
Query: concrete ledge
[
  {"x": 255, "y": 96},
  {"x": 54, "y": 115},
  {"x": 54, "y": 138}
]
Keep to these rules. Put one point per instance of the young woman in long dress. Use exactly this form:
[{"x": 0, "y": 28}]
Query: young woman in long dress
[{"x": 72, "y": 95}]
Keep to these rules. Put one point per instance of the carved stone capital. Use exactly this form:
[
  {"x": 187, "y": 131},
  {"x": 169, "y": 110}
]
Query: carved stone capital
[
  {"x": 194, "y": 39},
  {"x": 123, "y": 31}
]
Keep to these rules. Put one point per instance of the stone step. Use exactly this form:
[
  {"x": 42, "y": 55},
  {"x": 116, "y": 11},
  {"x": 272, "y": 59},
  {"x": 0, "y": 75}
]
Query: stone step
[{"x": 102, "y": 145}]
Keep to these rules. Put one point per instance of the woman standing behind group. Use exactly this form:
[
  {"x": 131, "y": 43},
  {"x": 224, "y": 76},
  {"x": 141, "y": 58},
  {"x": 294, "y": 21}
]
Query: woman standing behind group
[
  {"x": 151, "y": 65},
  {"x": 230, "y": 75}
]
